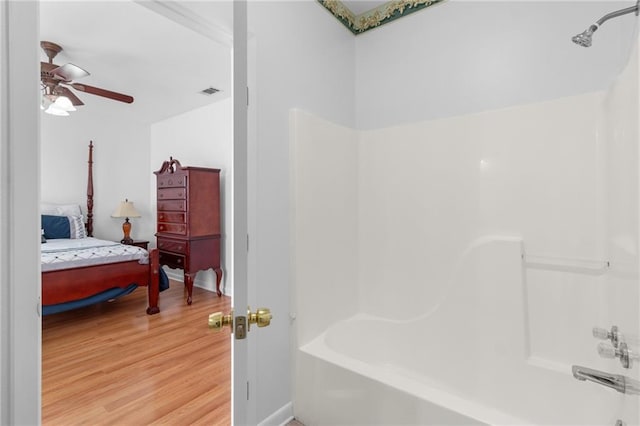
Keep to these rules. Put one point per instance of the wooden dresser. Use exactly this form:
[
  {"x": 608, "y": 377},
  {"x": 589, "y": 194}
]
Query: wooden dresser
[{"x": 188, "y": 232}]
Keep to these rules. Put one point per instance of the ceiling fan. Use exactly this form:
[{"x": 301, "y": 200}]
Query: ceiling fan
[{"x": 56, "y": 81}]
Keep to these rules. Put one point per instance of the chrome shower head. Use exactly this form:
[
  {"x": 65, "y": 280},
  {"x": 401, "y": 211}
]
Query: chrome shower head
[{"x": 584, "y": 39}]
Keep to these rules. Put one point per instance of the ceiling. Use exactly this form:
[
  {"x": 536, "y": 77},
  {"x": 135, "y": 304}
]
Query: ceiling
[
  {"x": 163, "y": 53},
  {"x": 135, "y": 49}
]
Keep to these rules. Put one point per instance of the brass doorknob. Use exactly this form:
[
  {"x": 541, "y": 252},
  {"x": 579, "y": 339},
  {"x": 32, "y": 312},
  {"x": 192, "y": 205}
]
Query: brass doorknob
[
  {"x": 240, "y": 325},
  {"x": 261, "y": 317},
  {"x": 217, "y": 321}
]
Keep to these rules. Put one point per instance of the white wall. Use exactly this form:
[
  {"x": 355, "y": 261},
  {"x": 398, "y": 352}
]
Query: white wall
[
  {"x": 4, "y": 327},
  {"x": 460, "y": 57},
  {"x": 304, "y": 59},
  {"x": 202, "y": 137},
  {"x": 120, "y": 168}
]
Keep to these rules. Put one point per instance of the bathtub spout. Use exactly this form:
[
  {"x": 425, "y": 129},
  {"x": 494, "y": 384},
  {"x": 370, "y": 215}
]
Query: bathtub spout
[{"x": 613, "y": 381}]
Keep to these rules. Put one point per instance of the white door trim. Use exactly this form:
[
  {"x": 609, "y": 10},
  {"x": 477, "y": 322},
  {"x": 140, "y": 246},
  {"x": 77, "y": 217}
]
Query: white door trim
[{"x": 19, "y": 210}]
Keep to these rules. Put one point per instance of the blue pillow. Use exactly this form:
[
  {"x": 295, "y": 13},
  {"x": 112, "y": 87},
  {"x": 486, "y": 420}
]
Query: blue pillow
[{"x": 55, "y": 227}]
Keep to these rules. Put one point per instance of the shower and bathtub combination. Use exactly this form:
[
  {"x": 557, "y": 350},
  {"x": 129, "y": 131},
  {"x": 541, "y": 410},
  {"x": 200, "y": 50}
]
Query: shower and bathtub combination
[{"x": 476, "y": 269}]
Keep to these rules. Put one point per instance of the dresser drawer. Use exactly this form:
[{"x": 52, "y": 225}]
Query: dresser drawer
[
  {"x": 172, "y": 181},
  {"x": 172, "y": 217},
  {"x": 172, "y": 194},
  {"x": 172, "y": 260},
  {"x": 173, "y": 228},
  {"x": 170, "y": 245},
  {"x": 172, "y": 205}
]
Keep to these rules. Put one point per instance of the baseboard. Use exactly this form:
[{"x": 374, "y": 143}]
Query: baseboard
[
  {"x": 174, "y": 275},
  {"x": 177, "y": 275},
  {"x": 280, "y": 417}
]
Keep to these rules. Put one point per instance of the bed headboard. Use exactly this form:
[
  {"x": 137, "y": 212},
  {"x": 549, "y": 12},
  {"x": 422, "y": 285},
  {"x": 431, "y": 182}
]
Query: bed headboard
[{"x": 89, "y": 223}]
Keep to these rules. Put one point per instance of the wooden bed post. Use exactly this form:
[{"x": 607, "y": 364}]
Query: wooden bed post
[
  {"x": 90, "y": 193},
  {"x": 153, "y": 287}
]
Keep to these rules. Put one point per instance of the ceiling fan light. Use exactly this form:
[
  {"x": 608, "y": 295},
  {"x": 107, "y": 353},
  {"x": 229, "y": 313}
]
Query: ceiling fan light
[
  {"x": 56, "y": 110},
  {"x": 64, "y": 103}
]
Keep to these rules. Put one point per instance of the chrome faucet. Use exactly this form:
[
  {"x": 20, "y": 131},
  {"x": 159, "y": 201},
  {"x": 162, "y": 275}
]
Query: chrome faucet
[{"x": 618, "y": 382}]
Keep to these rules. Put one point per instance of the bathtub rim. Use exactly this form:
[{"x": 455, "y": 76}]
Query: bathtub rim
[{"x": 317, "y": 348}]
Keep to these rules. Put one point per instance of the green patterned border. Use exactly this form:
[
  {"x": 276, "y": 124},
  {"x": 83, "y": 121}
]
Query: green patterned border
[{"x": 381, "y": 15}]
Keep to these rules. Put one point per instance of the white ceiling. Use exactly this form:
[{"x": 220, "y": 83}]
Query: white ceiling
[
  {"x": 163, "y": 53},
  {"x": 131, "y": 49}
]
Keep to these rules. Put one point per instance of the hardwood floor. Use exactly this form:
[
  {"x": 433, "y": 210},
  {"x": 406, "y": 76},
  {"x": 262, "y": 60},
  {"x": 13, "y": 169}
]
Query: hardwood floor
[{"x": 112, "y": 364}]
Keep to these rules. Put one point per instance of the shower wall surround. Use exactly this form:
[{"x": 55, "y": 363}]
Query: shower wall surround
[
  {"x": 404, "y": 223},
  {"x": 324, "y": 224},
  {"x": 453, "y": 253},
  {"x": 407, "y": 201},
  {"x": 619, "y": 164}
]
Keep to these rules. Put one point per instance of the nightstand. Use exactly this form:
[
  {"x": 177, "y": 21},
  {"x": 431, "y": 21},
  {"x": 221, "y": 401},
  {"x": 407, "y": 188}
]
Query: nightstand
[{"x": 141, "y": 244}]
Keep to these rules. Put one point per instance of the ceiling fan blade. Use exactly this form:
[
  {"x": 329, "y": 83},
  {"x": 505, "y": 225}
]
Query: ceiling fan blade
[
  {"x": 102, "y": 92},
  {"x": 68, "y": 72},
  {"x": 69, "y": 94}
]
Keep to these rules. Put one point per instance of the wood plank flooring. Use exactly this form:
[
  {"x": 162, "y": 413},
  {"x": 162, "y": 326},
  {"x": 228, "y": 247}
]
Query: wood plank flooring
[{"x": 112, "y": 364}]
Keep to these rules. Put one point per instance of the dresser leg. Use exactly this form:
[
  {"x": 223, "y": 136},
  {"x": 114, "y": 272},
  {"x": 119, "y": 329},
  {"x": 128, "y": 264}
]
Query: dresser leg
[
  {"x": 218, "y": 280},
  {"x": 188, "y": 282}
]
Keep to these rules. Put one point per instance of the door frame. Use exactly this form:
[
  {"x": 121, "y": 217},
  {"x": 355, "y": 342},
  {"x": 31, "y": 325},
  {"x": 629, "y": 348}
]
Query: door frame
[
  {"x": 20, "y": 342},
  {"x": 20, "y": 321}
]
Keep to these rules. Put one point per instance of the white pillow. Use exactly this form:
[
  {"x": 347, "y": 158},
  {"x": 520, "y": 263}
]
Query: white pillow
[
  {"x": 76, "y": 227},
  {"x": 60, "y": 209}
]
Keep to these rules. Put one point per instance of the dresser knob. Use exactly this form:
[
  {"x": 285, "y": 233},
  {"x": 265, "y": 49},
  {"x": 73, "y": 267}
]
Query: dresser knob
[
  {"x": 170, "y": 182},
  {"x": 161, "y": 227},
  {"x": 180, "y": 248},
  {"x": 179, "y": 260},
  {"x": 161, "y": 245}
]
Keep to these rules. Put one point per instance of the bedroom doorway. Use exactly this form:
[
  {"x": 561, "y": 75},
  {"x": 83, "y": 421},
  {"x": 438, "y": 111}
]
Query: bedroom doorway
[
  {"x": 20, "y": 322},
  {"x": 168, "y": 137}
]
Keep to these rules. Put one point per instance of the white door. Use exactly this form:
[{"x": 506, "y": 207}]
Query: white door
[
  {"x": 240, "y": 379},
  {"x": 244, "y": 398}
]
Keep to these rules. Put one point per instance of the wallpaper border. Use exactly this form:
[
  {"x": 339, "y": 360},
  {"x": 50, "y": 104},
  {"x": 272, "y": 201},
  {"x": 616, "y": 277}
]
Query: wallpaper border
[{"x": 381, "y": 15}]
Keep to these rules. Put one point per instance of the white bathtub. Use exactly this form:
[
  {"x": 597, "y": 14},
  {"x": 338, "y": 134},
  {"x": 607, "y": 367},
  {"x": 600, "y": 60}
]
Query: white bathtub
[{"x": 445, "y": 368}]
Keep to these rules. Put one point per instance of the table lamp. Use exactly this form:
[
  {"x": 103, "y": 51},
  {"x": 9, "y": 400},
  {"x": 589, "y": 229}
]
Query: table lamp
[{"x": 126, "y": 210}]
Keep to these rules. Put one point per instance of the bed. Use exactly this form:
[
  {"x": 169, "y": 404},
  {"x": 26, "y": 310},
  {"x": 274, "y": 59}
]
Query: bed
[{"x": 79, "y": 270}]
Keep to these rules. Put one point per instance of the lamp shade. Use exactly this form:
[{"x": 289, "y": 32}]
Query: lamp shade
[
  {"x": 64, "y": 103},
  {"x": 125, "y": 209},
  {"x": 54, "y": 109}
]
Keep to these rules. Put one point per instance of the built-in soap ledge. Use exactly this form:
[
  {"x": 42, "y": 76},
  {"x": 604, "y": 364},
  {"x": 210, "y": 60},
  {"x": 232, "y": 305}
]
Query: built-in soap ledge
[{"x": 561, "y": 264}]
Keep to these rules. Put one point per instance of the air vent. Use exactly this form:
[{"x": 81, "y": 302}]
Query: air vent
[{"x": 209, "y": 91}]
